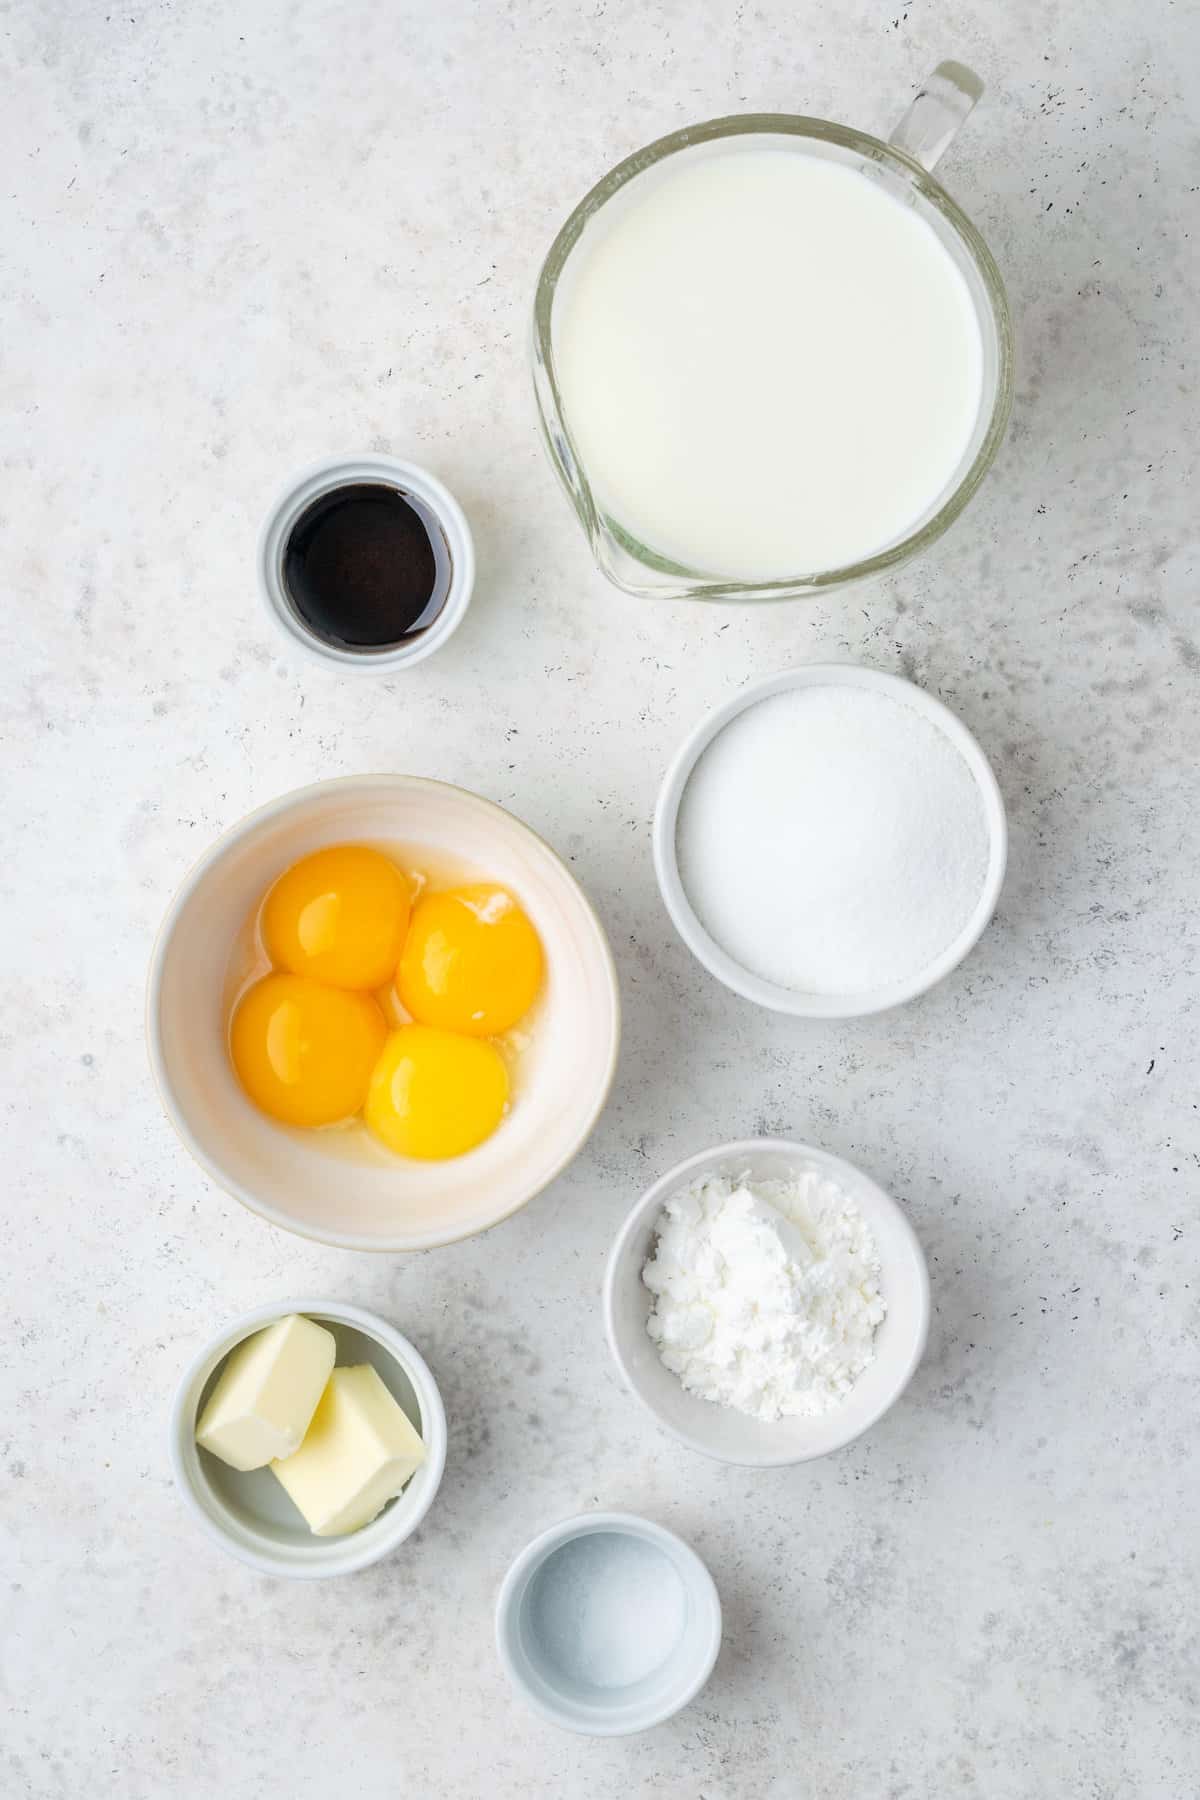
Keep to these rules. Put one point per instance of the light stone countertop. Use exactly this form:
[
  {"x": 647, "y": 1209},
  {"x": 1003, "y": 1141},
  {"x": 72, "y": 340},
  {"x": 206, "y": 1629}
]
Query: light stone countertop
[{"x": 237, "y": 238}]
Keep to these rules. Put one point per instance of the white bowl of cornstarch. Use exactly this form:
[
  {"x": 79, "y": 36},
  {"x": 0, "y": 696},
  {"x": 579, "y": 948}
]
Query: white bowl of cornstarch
[
  {"x": 713, "y": 1419},
  {"x": 831, "y": 842}
]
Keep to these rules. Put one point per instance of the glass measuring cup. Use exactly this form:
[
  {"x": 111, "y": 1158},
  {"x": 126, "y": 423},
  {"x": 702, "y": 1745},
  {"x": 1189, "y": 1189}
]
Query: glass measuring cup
[{"x": 904, "y": 166}]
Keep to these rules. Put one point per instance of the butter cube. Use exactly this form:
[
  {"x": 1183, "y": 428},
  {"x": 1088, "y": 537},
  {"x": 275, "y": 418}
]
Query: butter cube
[
  {"x": 268, "y": 1391},
  {"x": 359, "y": 1452}
]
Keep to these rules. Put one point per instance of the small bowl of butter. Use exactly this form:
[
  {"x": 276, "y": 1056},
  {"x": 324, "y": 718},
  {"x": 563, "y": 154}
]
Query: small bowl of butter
[{"x": 308, "y": 1438}]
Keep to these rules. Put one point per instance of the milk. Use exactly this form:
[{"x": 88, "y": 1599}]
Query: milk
[{"x": 768, "y": 365}]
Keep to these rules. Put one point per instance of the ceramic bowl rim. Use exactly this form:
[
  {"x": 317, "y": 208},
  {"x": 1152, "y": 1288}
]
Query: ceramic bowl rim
[
  {"x": 786, "y": 1149},
  {"x": 706, "y": 1629},
  {"x": 329, "y": 1556},
  {"x": 235, "y": 834},
  {"x": 719, "y": 962}
]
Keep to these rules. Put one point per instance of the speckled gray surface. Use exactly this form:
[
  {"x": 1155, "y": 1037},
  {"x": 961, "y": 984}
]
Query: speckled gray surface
[{"x": 238, "y": 238}]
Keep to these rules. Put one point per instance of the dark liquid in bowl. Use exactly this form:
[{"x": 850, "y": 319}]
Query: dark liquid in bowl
[{"x": 360, "y": 568}]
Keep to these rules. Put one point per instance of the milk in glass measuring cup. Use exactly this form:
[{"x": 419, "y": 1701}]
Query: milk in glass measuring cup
[{"x": 771, "y": 355}]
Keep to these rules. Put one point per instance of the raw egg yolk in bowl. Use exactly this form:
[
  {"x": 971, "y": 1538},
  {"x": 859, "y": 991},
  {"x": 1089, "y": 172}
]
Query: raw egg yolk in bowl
[
  {"x": 472, "y": 962},
  {"x": 434, "y": 1093},
  {"x": 340, "y": 916},
  {"x": 310, "y": 1041},
  {"x": 304, "y": 1052}
]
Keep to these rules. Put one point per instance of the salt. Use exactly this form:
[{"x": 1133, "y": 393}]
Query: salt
[
  {"x": 606, "y": 1610},
  {"x": 832, "y": 840}
]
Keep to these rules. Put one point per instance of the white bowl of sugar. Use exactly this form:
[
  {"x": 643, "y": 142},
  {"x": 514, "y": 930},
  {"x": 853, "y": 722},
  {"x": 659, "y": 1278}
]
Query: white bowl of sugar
[{"x": 831, "y": 842}]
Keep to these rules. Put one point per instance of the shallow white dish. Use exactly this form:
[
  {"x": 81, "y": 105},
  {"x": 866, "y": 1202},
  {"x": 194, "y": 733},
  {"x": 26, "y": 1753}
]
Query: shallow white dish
[
  {"x": 718, "y": 961},
  {"x": 533, "y": 1658},
  {"x": 250, "y": 1515},
  {"x": 719, "y": 1431},
  {"x": 306, "y": 1181},
  {"x": 448, "y": 532}
]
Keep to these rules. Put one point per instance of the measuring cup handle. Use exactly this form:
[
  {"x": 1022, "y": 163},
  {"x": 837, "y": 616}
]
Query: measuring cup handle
[{"x": 933, "y": 119}]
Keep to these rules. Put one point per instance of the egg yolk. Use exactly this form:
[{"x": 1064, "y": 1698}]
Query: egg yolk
[
  {"x": 471, "y": 961},
  {"x": 340, "y": 916},
  {"x": 303, "y": 1052},
  {"x": 435, "y": 1095}
]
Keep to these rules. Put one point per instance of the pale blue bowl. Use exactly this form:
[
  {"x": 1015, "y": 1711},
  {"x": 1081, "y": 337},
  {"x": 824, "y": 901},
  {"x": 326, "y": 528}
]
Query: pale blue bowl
[{"x": 607, "y": 1624}]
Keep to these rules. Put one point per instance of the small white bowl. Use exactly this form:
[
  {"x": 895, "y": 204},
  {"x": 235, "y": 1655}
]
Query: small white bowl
[
  {"x": 250, "y": 1515},
  {"x": 308, "y": 1181},
  {"x": 538, "y": 1633},
  {"x": 449, "y": 536},
  {"x": 720, "y": 1431},
  {"x": 718, "y": 961}
]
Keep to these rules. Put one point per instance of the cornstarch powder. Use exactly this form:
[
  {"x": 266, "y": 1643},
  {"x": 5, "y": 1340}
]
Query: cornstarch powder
[{"x": 766, "y": 1293}]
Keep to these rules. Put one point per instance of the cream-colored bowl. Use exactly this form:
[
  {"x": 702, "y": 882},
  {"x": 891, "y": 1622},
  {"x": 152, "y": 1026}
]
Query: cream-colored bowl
[{"x": 339, "y": 1187}]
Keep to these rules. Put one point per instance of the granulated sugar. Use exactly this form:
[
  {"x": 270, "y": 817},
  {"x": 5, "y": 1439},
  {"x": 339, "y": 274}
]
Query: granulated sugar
[{"x": 832, "y": 840}]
